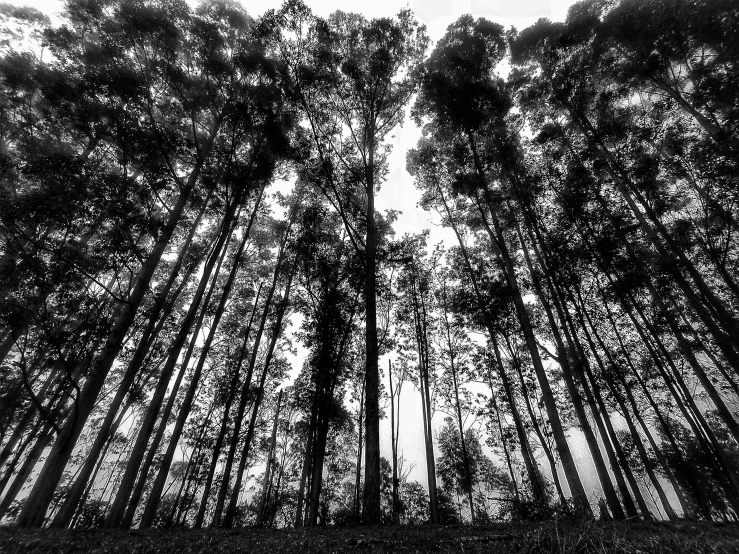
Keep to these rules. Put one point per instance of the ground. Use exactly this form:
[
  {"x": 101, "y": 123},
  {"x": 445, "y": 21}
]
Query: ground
[{"x": 565, "y": 537}]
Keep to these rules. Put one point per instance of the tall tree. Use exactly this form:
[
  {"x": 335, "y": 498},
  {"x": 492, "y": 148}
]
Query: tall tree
[{"x": 360, "y": 75}]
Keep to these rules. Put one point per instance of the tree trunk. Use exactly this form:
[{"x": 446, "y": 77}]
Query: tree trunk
[
  {"x": 503, "y": 441},
  {"x": 319, "y": 455},
  {"x": 226, "y": 413},
  {"x": 393, "y": 443},
  {"x": 232, "y": 505},
  {"x": 457, "y": 405},
  {"x": 184, "y": 411},
  {"x": 307, "y": 458},
  {"x": 537, "y": 488},
  {"x": 537, "y": 429},
  {"x": 37, "y": 502},
  {"x": 264, "y": 500},
  {"x": 646, "y": 460},
  {"x": 358, "y": 474},
  {"x": 371, "y": 501},
  {"x": 129, "y": 487},
  {"x": 421, "y": 333}
]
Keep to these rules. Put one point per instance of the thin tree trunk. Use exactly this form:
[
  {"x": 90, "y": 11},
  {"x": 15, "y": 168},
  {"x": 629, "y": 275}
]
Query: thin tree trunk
[
  {"x": 131, "y": 489},
  {"x": 223, "y": 491},
  {"x": 420, "y": 321},
  {"x": 231, "y": 510},
  {"x": 537, "y": 429},
  {"x": 319, "y": 455},
  {"x": 37, "y": 502},
  {"x": 226, "y": 413},
  {"x": 537, "y": 488},
  {"x": 184, "y": 411},
  {"x": 358, "y": 474},
  {"x": 371, "y": 500},
  {"x": 503, "y": 441},
  {"x": 396, "y": 498},
  {"x": 458, "y": 407},
  {"x": 307, "y": 458},
  {"x": 264, "y": 500}
]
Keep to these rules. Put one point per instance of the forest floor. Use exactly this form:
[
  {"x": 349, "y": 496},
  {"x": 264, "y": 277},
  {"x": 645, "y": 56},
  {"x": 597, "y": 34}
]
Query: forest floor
[{"x": 565, "y": 537}]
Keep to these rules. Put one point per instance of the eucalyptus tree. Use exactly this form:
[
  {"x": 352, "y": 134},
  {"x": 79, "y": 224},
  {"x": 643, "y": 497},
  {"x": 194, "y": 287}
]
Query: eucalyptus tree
[
  {"x": 455, "y": 348},
  {"x": 330, "y": 284},
  {"x": 415, "y": 317},
  {"x": 465, "y": 469},
  {"x": 483, "y": 158},
  {"x": 192, "y": 96},
  {"x": 351, "y": 79},
  {"x": 587, "y": 99}
]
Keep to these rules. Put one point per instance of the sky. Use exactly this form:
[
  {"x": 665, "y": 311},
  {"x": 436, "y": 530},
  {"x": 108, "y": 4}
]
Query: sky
[{"x": 398, "y": 192}]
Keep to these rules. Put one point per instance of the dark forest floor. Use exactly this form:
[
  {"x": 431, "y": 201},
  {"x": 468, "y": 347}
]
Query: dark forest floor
[{"x": 569, "y": 537}]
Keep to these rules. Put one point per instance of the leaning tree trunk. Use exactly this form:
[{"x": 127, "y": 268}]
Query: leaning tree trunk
[
  {"x": 393, "y": 444},
  {"x": 37, "y": 502},
  {"x": 130, "y": 489},
  {"x": 537, "y": 488},
  {"x": 421, "y": 333},
  {"x": 360, "y": 442},
  {"x": 231, "y": 509},
  {"x": 307, "y": 457},
  {"x": 66, "y": 512},
  {"x": 156, "y": 491},
  {"x": 537, "y": 429}
]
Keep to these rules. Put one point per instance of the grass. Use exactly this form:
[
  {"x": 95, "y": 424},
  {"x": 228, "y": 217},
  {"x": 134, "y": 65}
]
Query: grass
[{"x": 508, "y": 538}]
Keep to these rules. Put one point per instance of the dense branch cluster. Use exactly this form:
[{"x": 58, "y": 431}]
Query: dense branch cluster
[{"x": 196, "y": 288}]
